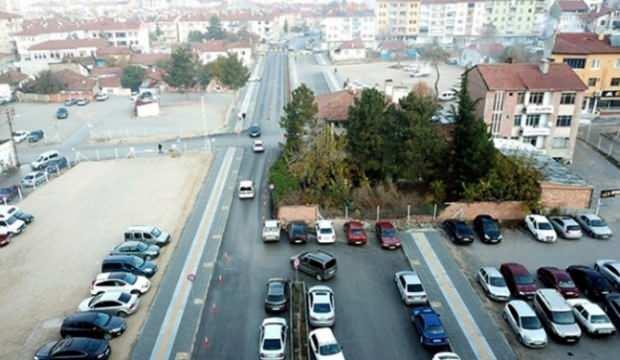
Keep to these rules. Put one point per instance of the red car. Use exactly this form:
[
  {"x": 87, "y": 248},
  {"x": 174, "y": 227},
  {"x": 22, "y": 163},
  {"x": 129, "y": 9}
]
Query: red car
[
  {"x": 354, "y": 230},
  {"x": 5, "y": 239},
  {"x": 558, "y": 279},
  {"x": 520, "y": 282},
  {"x": 386, "y": 234}
]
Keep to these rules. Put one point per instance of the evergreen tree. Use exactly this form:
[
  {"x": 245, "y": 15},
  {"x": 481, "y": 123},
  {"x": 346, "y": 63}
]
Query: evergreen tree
[
  {"x": 214, "y": 31},
  {"x": 298, "y": 114},
  {"x": 132, "y": 77},
  {"x": 181, "y": 71}
]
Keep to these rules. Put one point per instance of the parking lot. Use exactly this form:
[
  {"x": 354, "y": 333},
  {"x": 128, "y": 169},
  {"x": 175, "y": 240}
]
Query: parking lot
[{"x": 79, "y": 217}]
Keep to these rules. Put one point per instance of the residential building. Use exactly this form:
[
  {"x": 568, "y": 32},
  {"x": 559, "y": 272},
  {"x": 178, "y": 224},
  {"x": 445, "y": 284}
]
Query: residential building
[
  {"x": 339, "y": 26},
  {"x": 349, "y": 50},
  {"x": 39, "y": 57},
  {"x": 333, "y": 108},
  {"x": 9, "y": 23},
  {"x": 195, "y": 21},
  {"x": 596, "y": 60},
  {"x": 571, "y": 15},
  {"x": 510, "y": 18},
  {"x": 211, "y": 50},
  {"x": 537, "y": 104},
  {"x": 446, "y": 19},
  {"x": 109, "y": 80},
  {"x": 603, "y": 20},
  {"x": 262, "y": 25},
  {"x": 398, "y": 19}
]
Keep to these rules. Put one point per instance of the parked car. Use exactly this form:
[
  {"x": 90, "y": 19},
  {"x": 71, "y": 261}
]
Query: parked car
[
  {"x": 591, "y": 317},
  {"x": 36, "y": 136},
  {"x": 488, "y": 229},
  {"x": 611, "y": 305},
  {"x": 74, "y": 348},
  {"x": 540, "y": 227},
  {"x": 101, "y": 97},
  {"x": 324, "y": 346},
  {"x": 70, "y": 102},
  {"x": 556, "y": 315},
  {"x": 9, "y": 193},
  {"x": 520, "y": 282},
  {"x": 34, "y": 178},
  {"x": 92, "y": 324},
  {"x": 120, "y": 281},
  {"x": 82, "y": 102},
  {"x": 566, "y": 227},
  {"x": 355, "y": 233},
  {"x": 62, "y": 113},
  {"x": 610, "y": 269},
  {"x": 321, "y": 306},
  {"x": 57, "y": 165},
  {"x": 448, "y": 95},
  {"x": 493, "y": 283},
  {"x": 113, "y": 302},
  {"x": 271, "y": 230},
  {"x": 149, "y": 234},
  {"x": 9, "y": 223},
  {"x": 428, "y": 325},
  {"x": 19, "y": 214},
  {"x": 386, "y": 234},
  {"x": 276, "y": 300},
  {"x": 254, "y": 130},
  {"x": 555, "y": 278},
  {"x": 272, "y": 339},
  {"x": 297, "y": 232},
  {"x": 20, "y": 135},
  {"x": 128, "y": 263},
  {"x": 137, "y": 248},
  {"x": 590, "y": 282},
  {"x": 258, "y": 146},
  {"x": 523, "y": 321},
  {"x": 5, "y": 238},
  {"x": 410, "y": 288},
  {"x": 318, "y": 264},
  {"x": 594, "y": 226},
  {"x": 43, "y": 159},
  {"x": 325, "y": 233},
  {"x": 446, "y": 355},
  {"x": 458, "y": 231}
]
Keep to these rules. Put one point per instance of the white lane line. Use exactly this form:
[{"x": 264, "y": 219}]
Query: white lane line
[
  {"x": 170, "y": 326},
  {"x": 470, "y": 329}
]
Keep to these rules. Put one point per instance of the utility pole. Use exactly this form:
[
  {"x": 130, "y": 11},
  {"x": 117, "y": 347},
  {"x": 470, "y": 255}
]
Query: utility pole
[{"x": 10, "y": 116}]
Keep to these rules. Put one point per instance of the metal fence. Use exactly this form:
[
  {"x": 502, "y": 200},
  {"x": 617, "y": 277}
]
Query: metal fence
[
  {"x": 606, "y": 139},
  {"x": 412, "y": 213}
]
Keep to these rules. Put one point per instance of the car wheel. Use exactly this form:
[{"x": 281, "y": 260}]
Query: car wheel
[
  {"x": 319, "y": 277},
  {"x": 135, "y": 292},
  {"x": 121, "y": 314}
]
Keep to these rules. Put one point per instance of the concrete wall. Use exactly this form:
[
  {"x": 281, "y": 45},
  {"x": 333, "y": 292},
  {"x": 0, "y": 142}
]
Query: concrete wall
[
  {"x": 565, "y": 196},
  {"x": 506, "y": 210}
]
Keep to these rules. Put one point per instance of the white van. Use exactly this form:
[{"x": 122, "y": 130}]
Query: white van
[
  {"x": 246, "y": 189},
  {"x": 41, "y": 162},
  {"x": 10, "y": 223}
]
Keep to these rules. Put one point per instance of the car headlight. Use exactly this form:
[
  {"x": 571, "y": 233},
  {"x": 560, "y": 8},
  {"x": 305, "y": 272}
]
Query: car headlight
[
  {"x": 36, "y": 357},
  {"x": 100, "y": 356},
  {"x": 487, "y": 236},
  {"x": 500, "y": 236}
]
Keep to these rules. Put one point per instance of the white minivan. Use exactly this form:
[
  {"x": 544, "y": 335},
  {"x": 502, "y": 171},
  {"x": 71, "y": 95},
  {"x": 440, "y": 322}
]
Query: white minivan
[
  {"x": 246, "y": 189},
  {"x": 43, "y": 159},
  {"x": 9, "y": 223}
]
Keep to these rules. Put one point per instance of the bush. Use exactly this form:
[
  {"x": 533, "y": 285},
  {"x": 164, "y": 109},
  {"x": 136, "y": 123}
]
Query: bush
[{"x": 286, "y": 186}]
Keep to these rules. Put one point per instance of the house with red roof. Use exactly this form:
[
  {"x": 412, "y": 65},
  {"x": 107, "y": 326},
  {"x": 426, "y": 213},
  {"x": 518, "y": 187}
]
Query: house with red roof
[
  {"x": 353, "y": 50},
  {"x": 210, "y": 50}
]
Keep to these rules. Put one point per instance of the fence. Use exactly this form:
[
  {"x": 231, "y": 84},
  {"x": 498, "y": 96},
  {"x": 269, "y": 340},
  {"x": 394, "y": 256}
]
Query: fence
[
  {"x": 128, "y": 152},
  {"x": 410, "y": 214},
  {"x": 606, "y": 139}
]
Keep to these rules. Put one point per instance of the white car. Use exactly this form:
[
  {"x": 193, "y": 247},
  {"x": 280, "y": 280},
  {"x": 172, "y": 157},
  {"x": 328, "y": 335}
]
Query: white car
[
  {"x": 410, "y": 288},
  {"x": 493, "y": 283},
  {"x": 446, "y": 356},
  {"x": 271, "y": 230},
  {"x": 610, "y": 269},
  {"x": 321, "y": 306},
  {"x": 446, "y": 95},
  {"x": 523, "y": 321},
  {"x": 272, "y": 339},
  {"x": 566, "y": 227},
  {"x": 540, "y": 227},
  {"x": 325, "y": 233},
  {"x": 113, "y": 302},
  {"x": 246, "y": 189},
  {"x": 421, "y": 72},
  {"x": 591, "y": 317},
  {"x": 20, "y": 135},
  {"x": 258, "y": 146},
  {"x": 102, "y": 97},
  {"x": 324, "y": 346},
  {"x": 34, "y": 179},
  {"x": 594, "y": 226},
  {"x": 120, "y": 281}
]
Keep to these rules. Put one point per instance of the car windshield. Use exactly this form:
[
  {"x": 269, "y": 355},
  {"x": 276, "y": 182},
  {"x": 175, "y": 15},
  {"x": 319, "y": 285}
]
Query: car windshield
[
  {"x": 563, "y": 317},
  {"x": 389, "y": 233},
  {"x": 272, "y": 344},
  {"x": 130, "y": 278},
  {"x": 138, "y": 262},
  {"x": 599, "y": 319},
  {"x": 434, "y": 330},
  {"x": 490, "y": 225},
  {"x": 530, "y": 323},
  {"x": 325, "y": 231},
  {"x": 524, "y": 279},
  {"x": 124, "y": 297},
  {"x": 245, "y": 188},
  {"x": 414, "y": 288},
  {"x": 156, "y": 232},
  {"x": 544, "y": 226},
  {"x": 597, "y": 223},
  {"x": 462, "y": 228},
  {"x": 141, "y": 246},
  {"x": 330, "y": 349},
  {"x": 573, "y": 228},
  {"x": 101, "y": 319},
  {"x": 11, "y": 220},
  {"x": 321, "y": 308},
  {"x": 497, "y": 281},
  {"x": 357, "y": 232},
  {"x": 566, "y": 284}
]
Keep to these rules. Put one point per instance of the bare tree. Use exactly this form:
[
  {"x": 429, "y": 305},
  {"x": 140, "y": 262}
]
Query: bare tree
[{"x": 435, "y": 55}]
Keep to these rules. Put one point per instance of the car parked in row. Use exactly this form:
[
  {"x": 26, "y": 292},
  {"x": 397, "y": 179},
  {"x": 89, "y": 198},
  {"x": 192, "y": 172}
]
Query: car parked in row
[
  {"x": 555, "y": 278},
  {"x": 55, "y": 166},
  {"x": 610, "y": 269},
  {"x": 136, "y": 248},
  {"x": 101, "y": 97},
  {"x": 540, "y": 227},
  {"x": 591, "y": 317},
  {"x": 36, "y": 136},
  {"x": 5, "y": 238},
  {"x": 488, "y": 229},
  {"x": 429, "y": 327},
  {"x": 276, "y": 299},
  {"x": 149, "y": 234},
  {"x": 493, "y": 283},
  {"x": 92, "y": 324},
  {"x": 520, "y": 282},
  {"x": 321, "y": 306},
  {"x": 113, "y": 302},
  {"x": 10, "y": 223},
  {"x": 318, "y": 264},
  {"x": 590, "y": 282},
  {"x": 128, "y": 263},
  {"x": 325, "y": 233},
  {"x": 556, "y": 315},
  {"x": 17, "y": 212},
  {"x": 120, "y": 281},
  {"x": 43, "y": 159},
  {"x": 82, "y": 102},
  {"x": 566, "y": 227},
  {"x": 523, "y": 321},
  {"x": 410, "y": 288},
  {"x": 34, "y": 179},
  {"x": 74, "y": 348},
  {"x": 324, "y": 346},
  {"x": 9, "y": 193},
  {"x": 386, "y": 235},
  {"x": 297, "y": 232},
  {"x": 611, "y": 305},
  {"x": 458, "y": 231},
  {"x": 594, "y": 226},
  {"x": 20, "y": 135},
  {"x": 355, "y": 233},
  {"x": 273, "y": 339}
]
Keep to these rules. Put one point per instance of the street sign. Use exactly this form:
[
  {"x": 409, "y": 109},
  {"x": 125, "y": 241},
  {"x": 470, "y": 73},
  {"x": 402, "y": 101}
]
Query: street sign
[
  {"x": 296, "y": 263},
  {"x": 609, "y": 193}
]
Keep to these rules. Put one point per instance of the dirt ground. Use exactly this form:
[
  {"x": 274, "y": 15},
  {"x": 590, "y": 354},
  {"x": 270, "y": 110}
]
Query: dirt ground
[{"x": 80, "y": 216}]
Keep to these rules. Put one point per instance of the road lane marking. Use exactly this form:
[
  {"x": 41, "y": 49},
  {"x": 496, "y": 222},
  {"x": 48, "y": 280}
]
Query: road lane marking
[
  {"x": 170, "y": 326},
  {"x": 464, "y": 318}
]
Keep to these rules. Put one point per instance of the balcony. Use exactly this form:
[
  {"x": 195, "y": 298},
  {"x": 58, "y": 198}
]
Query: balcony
[
  {"x": 539, "y": 109},
  {"x": 535, "y": 131}
]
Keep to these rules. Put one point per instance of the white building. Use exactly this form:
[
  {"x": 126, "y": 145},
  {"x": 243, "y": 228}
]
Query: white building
[
  {"x": 444, "y": 20},
  {"x": 39, "y": 57},
  {"x": 349, "y": 51},
  {"x": 211, "y": 50},
  {"x": 9, "y": 23},
  {"x": 341, "y": 26},
  {"x": 571, "y": 15},
  {"x": 258, "y": 24}
]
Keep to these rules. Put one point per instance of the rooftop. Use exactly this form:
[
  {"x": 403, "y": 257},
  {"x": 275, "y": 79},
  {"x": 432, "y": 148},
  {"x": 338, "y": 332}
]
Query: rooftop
[
  {"x": 70, "y": 44},
  {"x": 62, "y": 25},
  {"x": 573, "y": 6},
  {"x": 8, "y": 16},
  {"x": 148, "y": 59},
  {"x": 529, "y": 77},
  {"x": 335, "y": 106},
  {"x": 353, "y": 44},
  {"x": 583, "y": 44}
]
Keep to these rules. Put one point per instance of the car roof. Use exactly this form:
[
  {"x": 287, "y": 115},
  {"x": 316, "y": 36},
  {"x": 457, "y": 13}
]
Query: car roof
[
  {"x": 613, "y": 263},
  {"x": 410, "y": 277},
  {"x": 554, "y": 298},
  {"x": 356, "y": 224},
  {"x": 147, "y": 228},
  {"x": 591, "y": 216},
  {"x": 110, "y": 295},
  {"x": 492, "y": 271},
  {"x": 385, "y": 224},
  {"x": 565, "y": 218},
  {"x": 324, "y": 224},
  {"x": 271, "y": 223},
  {"x": 515, "y": 268},
  {"x": 321, "y": 255},
  {"x": 522, "y": 308},
  {"x": 50, "y": 152},
  {"x": 246, "y": 183},
  {"x": 324, "y": 336},
  {"x": 111, "y": 275},
  {"x": 81, "y": 316},
  {"x": 272, "y": 327},
  {"x": 256, "y": 142},
  {"x": 538, "y": 218},
  {"x": 592, "y": 308}
]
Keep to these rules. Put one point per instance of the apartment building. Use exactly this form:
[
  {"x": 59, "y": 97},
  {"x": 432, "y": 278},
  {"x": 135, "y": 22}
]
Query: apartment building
[
  {"x": 399, "y": 19},
  {"x": 9, "y": 23},
  {"x": 595, "y": 58},
  {"x": 39, "y": 57},
  {"x": 192, "y": 22},
  {"x": 211, "y": 50},
  {"x": 445, "y": 19},
  {"x": 537, "y": 104},
  {"x": 345, "y": 26},
  {"x": 517, "y": 17},
  {"x": 572, "y": 15}
]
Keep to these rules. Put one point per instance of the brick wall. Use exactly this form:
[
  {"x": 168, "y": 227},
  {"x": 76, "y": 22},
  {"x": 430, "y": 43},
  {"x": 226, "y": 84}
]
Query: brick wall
[
  {"x": 565, "y": 196},
  {"x": 505, "y": 210}
]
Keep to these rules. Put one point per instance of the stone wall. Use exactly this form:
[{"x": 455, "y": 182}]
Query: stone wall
[
  {"x": 565, "y": 196},
  {"x": 505, "y": 210}
]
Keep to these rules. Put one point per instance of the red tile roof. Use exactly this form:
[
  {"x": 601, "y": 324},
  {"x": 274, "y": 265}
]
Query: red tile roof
[
  {"x": 8, "y": 16},
  {"x": 114, "y": 50},
  {"x": 353, "y": 44},
  {"x": 148, "y": 59},
  {"x": 573, "y": 6},
  {"x": 582, "y": 44},
  {"x": 70, "y": 44},
  {"x": 62, "y": 25},
  {"x": 103, "y": 71},
  {"x": 75, "y": 81},
  {"x": 12, "y": 76},
  {"x": 529, "y": 77},
  {"x": 335, "y": 106}
]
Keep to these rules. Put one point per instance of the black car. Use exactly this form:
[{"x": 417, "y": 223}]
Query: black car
[
  {"x": 62, "y": 113},
  {"x": 297, "y": 232},
  {"x": 590, "y": 282},
  {"x": 56, "y": 165},
  {"x": 254, "y": 130},
  {"x": 128, "y": 263},
  {"x": 458, "y": 231},
  {"x": 35, "y": 136},
  {"x": 9, "y": 193},
  {"x": 611, "y": 305},
  {"x": 488, "y": 229},
  {"x": 276, "y": 300},
  {"x": 24, "y": 216},
  {"x": 70, "y": 102},
  {"x": 74, "y": 348},
  {"x": 92, "y": 324}
]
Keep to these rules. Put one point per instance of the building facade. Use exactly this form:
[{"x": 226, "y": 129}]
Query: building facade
[
  {"x": 538, "y": 104},
  {"x": 9, "y": 24},
  {"x": 341, "y": 26},
  {"x": 39, "y": 57},
  {"x": 444, "y": 20},
  {"x": 399, "y": 19}
]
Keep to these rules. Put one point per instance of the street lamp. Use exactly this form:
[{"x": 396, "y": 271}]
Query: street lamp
[{"x": 271, "y": 188}]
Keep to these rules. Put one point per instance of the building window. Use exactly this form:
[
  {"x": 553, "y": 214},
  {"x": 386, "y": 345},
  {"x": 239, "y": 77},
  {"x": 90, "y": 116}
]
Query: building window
[
  {"x": 575, "y": 63},
  {"x": 496, "y": 123},
  {"x": 532, "y": 120},
  {"x": 560, "y": 142},
  {"x": 530, "y": 140},
  {"x": 520, "y": 98},
  {"x": 517, "y": 120},
  {"x": 536, "y": 98},
  {"x": 567, "y": 98},
  {"x": 596, "y": 64},
  {"x": 564, "y": 121},
  {"x": 592, "y": 81},
  {"x": 615, "y": 81}
]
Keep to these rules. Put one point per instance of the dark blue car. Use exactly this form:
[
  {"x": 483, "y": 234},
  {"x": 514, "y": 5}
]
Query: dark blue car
[
  {"x": 55, "y": 166},
  {"x": 590, "y": 282},
  {"x": 35, "y": 136},
  {"x": 62, "y": 113},
  {"x": 9, "y": 193},
  {"x": 74, "y": 348},
  {"x": 254, "y": 130},
  {"x": 429, "y": 327}
]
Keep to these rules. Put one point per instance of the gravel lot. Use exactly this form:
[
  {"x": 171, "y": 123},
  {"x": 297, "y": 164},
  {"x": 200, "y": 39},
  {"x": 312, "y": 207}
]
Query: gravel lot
[{"x": 39, "y": 286}]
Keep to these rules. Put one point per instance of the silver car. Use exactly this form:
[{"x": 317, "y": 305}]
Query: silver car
[
  {"x": 120, "y": 281},
  {"x": 114, "y": 303},
  {"x": 272, "y": 339},
  {"x": 493, "y": 283},
  {"x": 321, "y": 306},
  {"x": 591, "y": 317},
  {"x": 525, "y": 324},
  {"x": 610, "y": 269},
  {"x": 594, "y": 226},
  {"x": 566, "y": 227},
  {"x": 137, "y": 248},
  {"x": 34, "y": 179}
]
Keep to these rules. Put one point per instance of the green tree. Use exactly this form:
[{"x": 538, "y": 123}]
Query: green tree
[
  {"x": 230, "y": 71},
  {"x": 46, "y": 82},
  {"x": 204, "y": 76},
  {"x": 298, "y": 114},
  {"x": 474, "y": 152},
  {"x": 366, "y": 122},
  {"x": 132, "y": 77},
  {"x": 214, "y": 30},
  {"x": 435, "y": 55},
  {"x": 181, "y": 71},
  {"x": 195, "y": 36},
  {"x": 286, "y": 26}
]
